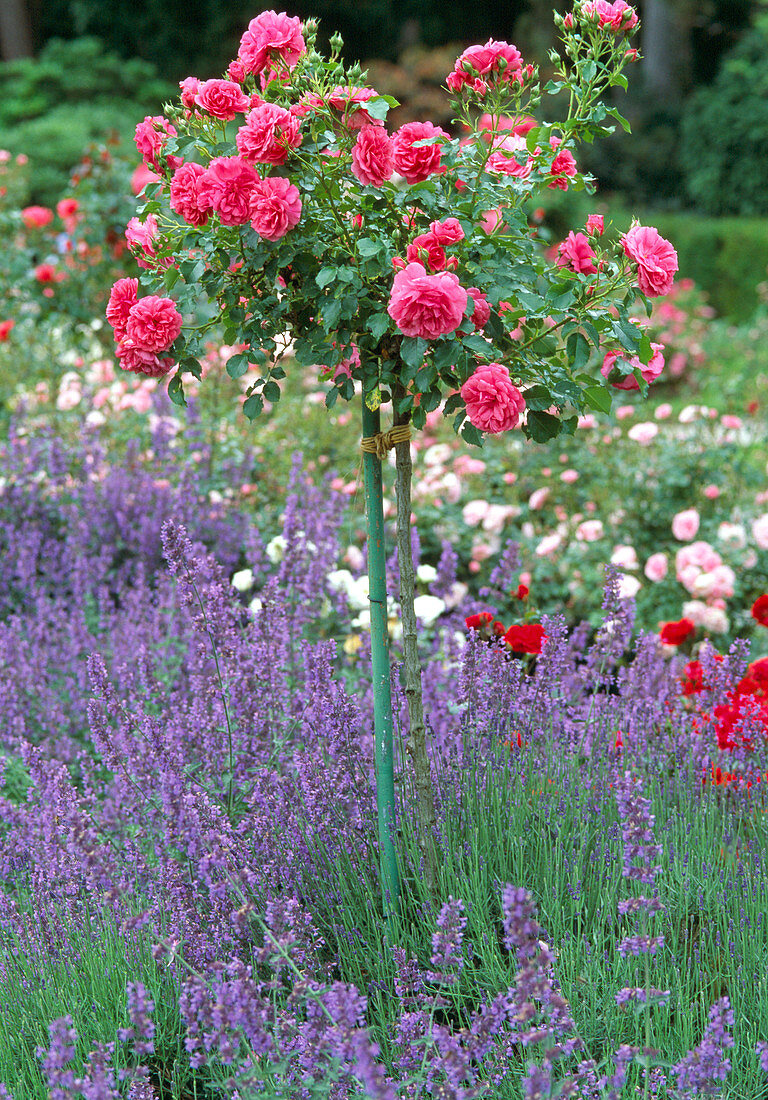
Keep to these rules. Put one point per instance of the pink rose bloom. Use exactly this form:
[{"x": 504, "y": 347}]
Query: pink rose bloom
[
  {"x": 595, "y": 225},
  {"x": 643, "y": 433},
  {"x": 186, "y": 198},
  {"x": 36, "y": 217},
  {"x": 482, "y": 310},
  {"x": 728, "y": 420},
  {"x": 548, "y": 545},
  {"x": 142, "y": 362},
  {"x": 618, "y": 16},
  {"x": 351, "y": 101},
  {"x": 448, "y": 231},
  {"x": 189, "y": 87},
  {"x": 760, "y": 531},
  {"x": 123, "y": 296},
  {"x": 141, "y": 176},
  {"x": 269, "y": 36},
  {"x": 711, "y": 492},
  {"x": 276, "y": 207},
  {"x": 650, "y": 371},
  {"x": 151, "y": 136},
  {"x": 538, "y": 498},
  {"x": 373, "y": 156},
  {"x": 503, "y": 160},
  {"x": 699, "y": 557},
  {"x": 474, "y": 512},
  {"x": 569, "y": 476},
  {"x": 563, "y": 166},
  {"x": 493, "y": 403},
  {"x": 228, "y": 188},
  {"x": 141, "y": 237},
  {"x": 426, "y": 305},
  {"x": 656, "y": 567},
  {"x": 685, "y": 525},
  {"x": 153, "y": 324},
  {"x": 269, "y": 133},
  {"x": 484, "y": 61},
  {"x": 575, "y": 253},
  {"x": 426, "y": 249},
  {"x": 222, "y": 99},
  {"x": 416, "y": 164},
  {"x": 664, "y": 411},
  {"x": 590, "y": 530},
  {"x": 491, "y": 220},
  {"x": 655, "y": 257}
]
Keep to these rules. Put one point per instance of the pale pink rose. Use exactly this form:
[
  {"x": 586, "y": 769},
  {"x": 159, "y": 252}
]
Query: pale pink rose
[
  {"x": 151, "y": 136},
  {"x": 465, "y": 465},
  {"x": 153, "y": 323},
  {"x": 575, "y": 253},
  {"x": 715, "y": 620},
  {"x": 417, "y": 164},
  {"x": 228, "y": 187},
  {"x": 491, "y": 220},
  {"x": 270, "y": 36},
  {"x": 692, "y": 560},
  {"x": 482, "y": 311},
  {"x": 625, "y": 557},
  {"x": 569, "y": 476},
  {"x": 123, "y": 296},
  {"x": 663, "y": 412},
  {"x": 650, "y": 371},
  {"x": 426, "y": 305},
  {"x": 732, "y": 534},
  {"x": 656, "y": 567},
  {"x": 643, "y": 433},
  {"x": 730, "y": 421},
  {"x": 695, "y": 610},
  {"x": 590, "y": 530},
  {"x": 685, "y": 525},
  {"x": 448, "y": 231},
  {"x": 711, "y": 492},
  {"x": 269, "y": 134},
  {"x": 538, "y": 498},
  {"x": 587, "y": 421},
  {"x": 504, "y": 160},
  {"x": 496, "y": 517},
  {"x": 222, "y": 98},
  {"x": 548, "y": 545},
  {"x": 483, "y": 61},
  {"x": 624, "y": 412},
  {"x": 474, "y": 512},
  {"x": 373, "y": 156},
  {"x": 629, "y": 586},
  {"x": 493, "y": 403},
  {"x": 760, "y": 531},
  {"x": 595, "y": 225},
  {"x": 276, "y": 207},
  {"x": 186, "y": 198},
  {"x": 655, "y": 257}
]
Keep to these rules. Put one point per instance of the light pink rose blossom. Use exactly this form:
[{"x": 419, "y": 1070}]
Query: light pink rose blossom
[
  {"x": 426, "y": 305},
  {"x": 222, "y": 98},
  {"x": 655, "y": 257},
  {"x": 643, "y": 433},
  {"x": 760, "y": 531},
  {"x": 650, "y": 371},
  {"x": 548, "y": 545},
  {"x": 569, "y": 476},
  {"x": 493, "y": 403},
  {"x": 270, "y": 36},
  {"x": 269, "y": 134},
  {"x": 685, "y": 525},
  {"x": 276, "y": 207},
  {"x": 656, "y": 567},
  {"x": 663, "y": 412},
  {"x": 153, "y": 323},
  {"x": 373, "y": 156},
  {"x": 576, "y": 254},
  {"x": 417, "y": 164},
  {"x": 590, "y": 530},
  {"x": 504, "y": 161},
  {"x": 711, "y": 492},
  {"x": 595, "y": 225},
  {"x": 538, "y": 498},
  {"x": 185, "y": 196}
]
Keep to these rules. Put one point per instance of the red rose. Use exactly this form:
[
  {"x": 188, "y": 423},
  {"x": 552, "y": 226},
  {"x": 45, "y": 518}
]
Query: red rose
[
  {"x": 522, "y": 592},
  {"x": 760, "y": 610},
  {"x": 526, "y": 638},
  {"x": 676, "y": 633},
  {"x": 416, "y": 164},
  {"x": 476, "y": 622},
  {"x": 5, "y": 329}
]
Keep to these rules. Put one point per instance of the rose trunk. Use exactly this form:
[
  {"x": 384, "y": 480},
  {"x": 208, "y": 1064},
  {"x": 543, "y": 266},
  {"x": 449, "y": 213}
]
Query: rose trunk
[
  {"x": 380, "y": 674},
  {"x": 416, "y": 745}
]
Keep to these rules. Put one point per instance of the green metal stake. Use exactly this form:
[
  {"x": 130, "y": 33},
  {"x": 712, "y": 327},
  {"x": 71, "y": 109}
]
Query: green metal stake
[{"x": 382, "y": 695}]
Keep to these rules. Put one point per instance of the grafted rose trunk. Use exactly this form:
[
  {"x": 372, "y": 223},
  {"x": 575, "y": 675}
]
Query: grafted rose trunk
[{"x": 416, "y": 745}]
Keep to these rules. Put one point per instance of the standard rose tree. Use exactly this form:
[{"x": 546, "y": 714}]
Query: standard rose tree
[{"x": 402, "y": 265}]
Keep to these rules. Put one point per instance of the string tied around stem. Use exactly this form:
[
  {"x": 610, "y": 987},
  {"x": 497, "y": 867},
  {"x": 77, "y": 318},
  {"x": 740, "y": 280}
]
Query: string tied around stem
[{"x": 383, "y": 442}]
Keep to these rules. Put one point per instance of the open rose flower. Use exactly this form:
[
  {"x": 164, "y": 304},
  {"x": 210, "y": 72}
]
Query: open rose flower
[
  {"x": 271, "y": 35},
  {"x": 153, "y": 323},
  {"x": 276, "y": 207},
  {"x": 417, "y": 163},
  {"x": 619, "y": 16},
  {"x": 222, "y": 98},
  {"x": 575, "y": 253},
  {"x": 373, "y": 156},
  {"x": 140, "y": 361},
  {"x": 426, "y": 305},
  {"x": 526, "y": 638},
  {"x": 351, "y": 102},
  {"x": 655, "y": 257},
  {"x": 151, "y": 136},
  {"x": 186, "y": 197},
  {"x": 123, "y": 296},
  {"x": 650, "y": 371},
  {"x": 228, "y": 187},
  {"x": 482, "y": 311},
  {"x": 493, "y": 61},
  {"x": 426, "y": 249},
  {"x": 677, "y": 633},
  {"x": 760, "y": 610},
  {"x": 493, "y": 403},
  {"x": 269, "y": 134}
]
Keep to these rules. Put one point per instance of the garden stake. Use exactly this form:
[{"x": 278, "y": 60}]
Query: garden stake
[{"x": 380, "y": 671}]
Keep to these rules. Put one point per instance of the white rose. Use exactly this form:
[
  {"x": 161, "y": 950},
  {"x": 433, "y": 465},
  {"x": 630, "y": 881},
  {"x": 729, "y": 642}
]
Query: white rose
[
  {"x": 426, "y": 573},
  {"x": 276, "y": 548},
  {"x": 242, "y": 580},
  {"x": 428, "y": 608}
]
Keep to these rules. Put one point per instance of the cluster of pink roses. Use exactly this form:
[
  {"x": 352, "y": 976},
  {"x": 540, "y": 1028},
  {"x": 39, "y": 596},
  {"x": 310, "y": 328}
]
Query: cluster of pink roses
[{"x": 144, "y": 328}]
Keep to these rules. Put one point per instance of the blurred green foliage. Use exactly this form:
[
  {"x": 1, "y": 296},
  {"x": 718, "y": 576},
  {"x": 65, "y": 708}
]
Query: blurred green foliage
[{"x": 73, "y": 94}]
